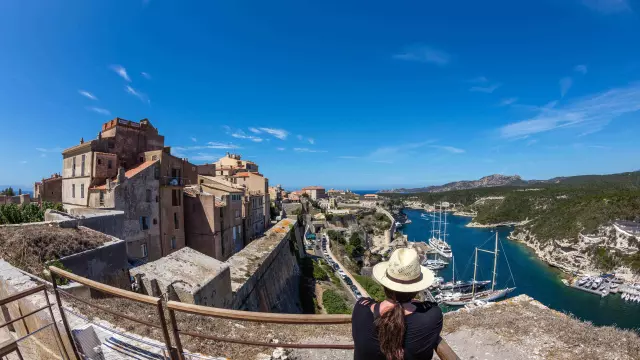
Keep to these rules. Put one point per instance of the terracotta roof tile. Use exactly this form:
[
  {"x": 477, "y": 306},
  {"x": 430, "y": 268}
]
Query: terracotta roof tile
[{"x": 129, "y": 173}]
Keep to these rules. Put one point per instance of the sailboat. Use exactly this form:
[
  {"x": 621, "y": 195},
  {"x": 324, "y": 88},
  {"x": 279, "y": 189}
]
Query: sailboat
[
  {"x": 439, "y": 242},
  {"x": 459, "y": 299}
]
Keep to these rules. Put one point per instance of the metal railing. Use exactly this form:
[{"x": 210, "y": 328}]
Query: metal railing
[
  {"x": 178, "y": 353},
  {"x": 113, "y": 291},
  {"x": 12, "y": 346}
]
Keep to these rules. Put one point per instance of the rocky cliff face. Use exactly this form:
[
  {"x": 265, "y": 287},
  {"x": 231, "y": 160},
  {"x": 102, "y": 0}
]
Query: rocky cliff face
[
  {"x": 487, "y": 181},
  {"x": 577, "y": 256}
]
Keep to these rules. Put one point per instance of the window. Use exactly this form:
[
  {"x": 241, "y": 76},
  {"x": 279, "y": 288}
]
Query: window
[
  {"x": 148, "y": 195},
  {"x": 99, "y": 161},
  {"x": 82, "y": 168},
  {"x": 173, "y": 242},
  {"x": 101, "y": 198},
  {"x": 82, "y": 191},
  {"x": 144, "y": 223},
  {"x": 155, "y": 221},
  {"x": 236, "y": 197},
  {"x": 175, "y": 197},
  {"x": 237, "y": 213},
  {"x": 73, "y": 167},
  {"x": 175, "y": 221},
  {"x": 154, "y": 157},
  {"x": 143, "y": 248},
  {"x": 109, "y": 164},
  {"x": 73, "y": 190},
  {"x": 141, "y": 159}
]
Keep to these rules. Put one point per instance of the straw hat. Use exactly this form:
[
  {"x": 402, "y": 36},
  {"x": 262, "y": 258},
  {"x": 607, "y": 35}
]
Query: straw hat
[{"x": 403, "y": 272}]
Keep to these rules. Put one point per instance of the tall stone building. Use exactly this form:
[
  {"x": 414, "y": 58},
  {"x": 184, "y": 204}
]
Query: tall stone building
[{"x": 128, "y": 168}]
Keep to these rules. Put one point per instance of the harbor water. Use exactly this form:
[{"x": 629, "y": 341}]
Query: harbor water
[{"x": 532, "y": 276}]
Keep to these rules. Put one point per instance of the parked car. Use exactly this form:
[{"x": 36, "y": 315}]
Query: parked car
[
  {"x": 336, "y": 267},
  {"x": 348, "y": 281}
]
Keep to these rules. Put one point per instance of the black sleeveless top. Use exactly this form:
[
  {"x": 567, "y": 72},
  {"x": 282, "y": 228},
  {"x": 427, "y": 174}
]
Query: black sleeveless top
[{"x": 422, "y": 331}]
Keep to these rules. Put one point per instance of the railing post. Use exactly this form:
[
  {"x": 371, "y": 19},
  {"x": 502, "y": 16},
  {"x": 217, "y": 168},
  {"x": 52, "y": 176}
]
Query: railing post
[
  {"x": 176, "y": 333},
  {"x": 165, "y": 331},
  {"x": 55, "y": 325},
  {"x": 64, "y": 317}
]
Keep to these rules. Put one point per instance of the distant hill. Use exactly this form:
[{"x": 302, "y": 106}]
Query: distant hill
[{"x": 628, "y": 178}]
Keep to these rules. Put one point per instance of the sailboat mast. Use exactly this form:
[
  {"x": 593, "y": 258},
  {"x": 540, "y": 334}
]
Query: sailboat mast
[
  {"x": 495, "y": 263},
  {"x": 453, "y": 279},
  {"x": 475, "y": 270},
  {"x": 444, "y": 235}
]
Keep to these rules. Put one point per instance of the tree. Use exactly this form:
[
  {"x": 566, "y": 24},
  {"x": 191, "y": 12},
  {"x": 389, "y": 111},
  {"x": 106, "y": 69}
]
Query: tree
[
  {"x": 8, "y": 191},
  {"x": 19, "y": 191}
]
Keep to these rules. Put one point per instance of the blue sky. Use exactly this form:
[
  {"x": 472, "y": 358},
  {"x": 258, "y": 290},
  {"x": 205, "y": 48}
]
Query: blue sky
[{"x": 359, "y": 94}]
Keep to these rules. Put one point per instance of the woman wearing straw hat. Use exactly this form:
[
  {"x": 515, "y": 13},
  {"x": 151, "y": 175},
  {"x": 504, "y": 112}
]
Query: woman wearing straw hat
[{"x": 397, "y": 328}]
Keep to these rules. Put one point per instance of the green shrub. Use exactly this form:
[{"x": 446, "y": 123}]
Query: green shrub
[
  {"x": 334, "y": 303},
  {"x": 318, "y": 272},
  {"x": 375, "y": 290}
]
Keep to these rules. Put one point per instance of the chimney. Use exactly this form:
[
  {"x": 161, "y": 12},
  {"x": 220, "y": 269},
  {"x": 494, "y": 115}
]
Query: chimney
[
  {"x": 121, "y": 176},
  {"x": 81, "y": 140}
]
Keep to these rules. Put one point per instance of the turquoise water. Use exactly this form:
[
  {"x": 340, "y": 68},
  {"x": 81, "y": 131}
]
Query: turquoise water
[{"x": 532, "y": 276}]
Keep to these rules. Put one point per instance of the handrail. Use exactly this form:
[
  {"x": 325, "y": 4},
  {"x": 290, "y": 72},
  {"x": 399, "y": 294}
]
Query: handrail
[
  {"x": 443, "y": 350},
  {"x": 105, "y": 288},
  {"x": 274, "y": 318},
  {"x": 9, "y": 347},
  {"x": 21, "y": 294}
]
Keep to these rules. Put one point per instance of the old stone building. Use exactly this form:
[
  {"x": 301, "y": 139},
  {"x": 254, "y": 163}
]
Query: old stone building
[
  {"x": 49, "y": 189},
  {"x": 230, "y": 164},
  {"x": 148, "y": 186},
  {"x": 90, "y": 163},
  {"x": 232, "y": 224}
]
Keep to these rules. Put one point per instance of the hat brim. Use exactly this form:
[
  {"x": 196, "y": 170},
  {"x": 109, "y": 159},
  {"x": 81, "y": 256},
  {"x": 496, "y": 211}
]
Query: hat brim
[{"x": 380, "y": 274}]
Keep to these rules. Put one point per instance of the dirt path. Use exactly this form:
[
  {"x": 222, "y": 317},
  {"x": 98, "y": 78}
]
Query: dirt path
[{"x": 319, "y": 292}]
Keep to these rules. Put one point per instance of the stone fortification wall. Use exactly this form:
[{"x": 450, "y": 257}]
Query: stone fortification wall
[
  {"x": 110, "y": 222},
  {"x": 265, "y": 275}
]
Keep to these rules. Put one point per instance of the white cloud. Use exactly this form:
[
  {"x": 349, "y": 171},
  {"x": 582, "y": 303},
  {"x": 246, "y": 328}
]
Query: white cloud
[
  {"x": 87, "y": 94},
  {"x": 281, "y": 149},
  {"x": 239, "y": 134},
  {"x": 565, "y": 85},
  {"x": 451, "y": 149},
  {"x": 300, "y": 137},
  {"x": 51, "y": 150},
  {"x": 204, "y": 157},
  {"x": 146, "y": 75},
  {"x": 607, "y": 6},
  {"x": 587, "y": 115},
  {"x": 279, "y": 133},
  {"x": 307, "y": 150},
  {"x": 311, "y": 141},
  {"x": 217, "y": 145},
  {"x": 508, "y": 101},
  {"x": 423, "y": 53},
  {"x": 121, "y": 71},
  {"x": 581, "y": 69},
  {"x": 254, "y": 130},
  {"x": 194, "y": 139},
  {"x": 136, "y": 93},
  {"x": 485, "y": 89},
  {"x": 531, "y": 142},
  {"x": 98, "y": 110}
]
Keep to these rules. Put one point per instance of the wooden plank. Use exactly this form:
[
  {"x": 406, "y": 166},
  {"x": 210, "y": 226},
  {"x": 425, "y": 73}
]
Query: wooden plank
[
  {"x": 105, "y": 288},
  {"x": 258, "y": 316},
  {"x": 445, "y": 352},
  {"x": 21, "y": 294}
]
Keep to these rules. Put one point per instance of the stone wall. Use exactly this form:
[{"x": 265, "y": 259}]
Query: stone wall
[
  {"x": 265, "y": 274},
  {"x": 106, "y": 264},
  {"x": 110, "y": 222}
]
